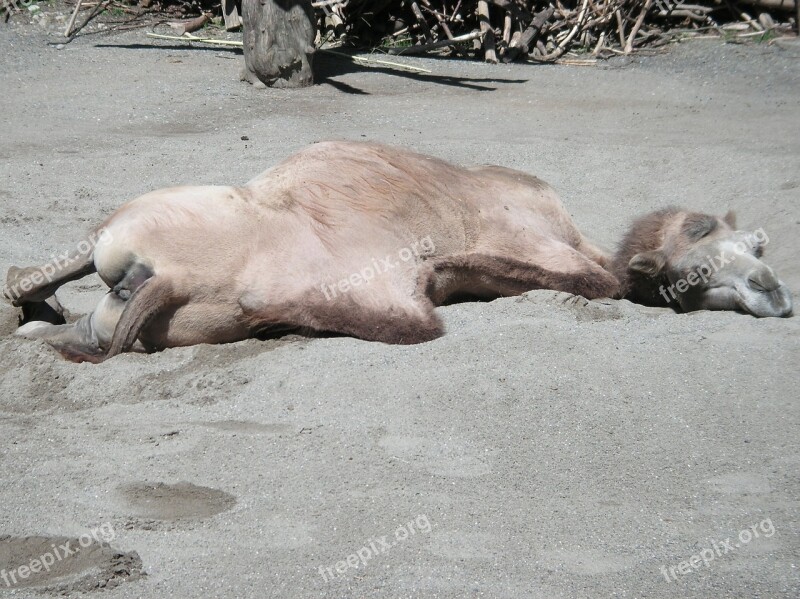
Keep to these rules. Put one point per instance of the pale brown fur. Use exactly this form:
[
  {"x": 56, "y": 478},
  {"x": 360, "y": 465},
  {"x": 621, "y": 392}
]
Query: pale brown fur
[
  {"x": 192, "y": 265},
  {"x": 647, "y": 233}
]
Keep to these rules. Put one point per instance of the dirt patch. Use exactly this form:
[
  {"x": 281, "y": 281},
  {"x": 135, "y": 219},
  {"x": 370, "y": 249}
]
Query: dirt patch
[
  {"x": 163, "y": 501},
  {"x": 64, "y": 565}
]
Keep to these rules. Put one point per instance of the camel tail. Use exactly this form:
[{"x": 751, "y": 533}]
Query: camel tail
[{"x": 152, "y": 297}]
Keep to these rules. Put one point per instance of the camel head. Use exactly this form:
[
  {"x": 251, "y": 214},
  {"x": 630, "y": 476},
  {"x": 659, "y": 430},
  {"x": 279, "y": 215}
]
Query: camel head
[{"x": 694, "y": 261}]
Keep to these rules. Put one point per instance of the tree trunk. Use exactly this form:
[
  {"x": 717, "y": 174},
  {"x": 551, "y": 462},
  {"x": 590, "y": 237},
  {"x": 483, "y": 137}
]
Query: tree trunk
[{"x": 278, "y": 42}]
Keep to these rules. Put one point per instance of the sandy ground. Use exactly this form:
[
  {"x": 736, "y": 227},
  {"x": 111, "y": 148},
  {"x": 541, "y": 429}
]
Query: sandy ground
[{"x": 545, "y": 447}]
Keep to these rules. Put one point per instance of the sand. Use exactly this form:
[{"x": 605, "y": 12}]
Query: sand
[{"x": 544, "y": 447}]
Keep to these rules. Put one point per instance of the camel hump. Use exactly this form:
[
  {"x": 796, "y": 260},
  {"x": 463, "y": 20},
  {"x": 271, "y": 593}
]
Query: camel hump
[{"x": 513, "y": 176}]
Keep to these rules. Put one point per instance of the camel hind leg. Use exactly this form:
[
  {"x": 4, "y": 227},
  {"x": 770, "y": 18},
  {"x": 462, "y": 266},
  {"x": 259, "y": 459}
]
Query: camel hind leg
[
  {"x": 112, "y": 328},
  {"x": 404, "y": 323},
  {"x": 85, "y": 340},
  {"x": 37, "y": 283},
  {"x": 384, "y": 310}
]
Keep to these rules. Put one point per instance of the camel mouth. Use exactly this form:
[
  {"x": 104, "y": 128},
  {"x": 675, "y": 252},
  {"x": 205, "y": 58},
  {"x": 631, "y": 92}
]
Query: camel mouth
[
  {"x": 766, "y": 304},
  {"x": 787, "y": 314}
]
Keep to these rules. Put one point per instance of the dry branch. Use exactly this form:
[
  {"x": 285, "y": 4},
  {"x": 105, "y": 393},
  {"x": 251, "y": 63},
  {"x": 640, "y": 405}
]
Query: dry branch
[
  {"x": 422, "y": 48},
  {"x": 637, "y": 26},
  {"x": 73, "y": 16},
  {"x": 529, "y": 35},
  {"x": 181, "y": 27}
]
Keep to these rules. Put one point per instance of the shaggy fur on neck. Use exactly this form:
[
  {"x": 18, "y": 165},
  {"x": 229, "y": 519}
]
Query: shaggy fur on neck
[{"x": 646, "y": 234}]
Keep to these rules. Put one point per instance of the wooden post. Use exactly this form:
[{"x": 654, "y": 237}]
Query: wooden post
[
  {"x": 230, "y": 12},
  {"x": 278, "y": 40},
  {"x": 489, "y": 47}
]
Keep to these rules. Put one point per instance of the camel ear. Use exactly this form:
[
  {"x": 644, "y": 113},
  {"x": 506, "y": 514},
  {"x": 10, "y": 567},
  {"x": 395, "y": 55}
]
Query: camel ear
[
  {"x": 648, "y": 263},
  {"x": 730, "y": 219}
]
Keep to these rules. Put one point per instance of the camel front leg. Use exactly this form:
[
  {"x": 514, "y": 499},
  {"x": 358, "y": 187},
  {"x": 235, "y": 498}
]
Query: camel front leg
[{"x": 485, "y": 276}]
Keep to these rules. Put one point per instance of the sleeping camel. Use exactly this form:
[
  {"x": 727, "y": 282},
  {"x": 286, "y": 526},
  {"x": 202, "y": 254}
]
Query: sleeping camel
[{"x": 365, "y": 240}]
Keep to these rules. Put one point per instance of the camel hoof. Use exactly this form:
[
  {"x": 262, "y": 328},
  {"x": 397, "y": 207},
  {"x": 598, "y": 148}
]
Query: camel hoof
[
  {"x": 13, "y": 291},
  {"x": 11, "y": 282}
]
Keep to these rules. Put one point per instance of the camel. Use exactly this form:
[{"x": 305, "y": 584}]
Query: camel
[
  {"x": 365, "y": 240},
  {"x": 692, "y": 261}
]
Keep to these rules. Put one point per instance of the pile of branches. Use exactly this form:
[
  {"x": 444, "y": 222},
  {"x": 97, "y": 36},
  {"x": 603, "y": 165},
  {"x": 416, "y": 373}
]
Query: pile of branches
[
  {"x": 493, "y": 30},
  {"x": 507, "y": 30}
]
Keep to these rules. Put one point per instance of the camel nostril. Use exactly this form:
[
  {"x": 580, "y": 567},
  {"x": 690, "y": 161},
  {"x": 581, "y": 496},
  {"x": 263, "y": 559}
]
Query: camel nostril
[{"x": 764, "y": 281}]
